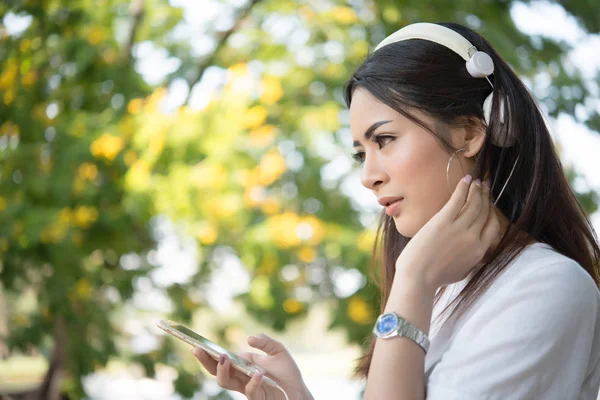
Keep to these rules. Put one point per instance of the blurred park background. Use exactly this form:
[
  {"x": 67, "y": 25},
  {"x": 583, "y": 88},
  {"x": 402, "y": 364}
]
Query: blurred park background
[{"x": 190, "y": 160}]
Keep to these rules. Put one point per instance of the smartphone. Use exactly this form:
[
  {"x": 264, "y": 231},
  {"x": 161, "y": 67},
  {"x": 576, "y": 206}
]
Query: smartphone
[{"x": 214, "y": 350}]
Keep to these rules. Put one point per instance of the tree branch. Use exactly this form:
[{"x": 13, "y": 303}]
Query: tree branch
[
  {"x": 137, "y": 11},
  {"x": 222, "y": 40}
]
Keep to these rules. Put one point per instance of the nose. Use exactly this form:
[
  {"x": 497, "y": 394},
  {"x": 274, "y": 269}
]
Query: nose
[{"x": 373, "y": 173}]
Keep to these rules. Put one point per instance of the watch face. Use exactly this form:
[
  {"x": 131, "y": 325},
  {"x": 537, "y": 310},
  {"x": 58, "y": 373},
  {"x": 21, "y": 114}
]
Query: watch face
[{"x": 386, "y": 324}]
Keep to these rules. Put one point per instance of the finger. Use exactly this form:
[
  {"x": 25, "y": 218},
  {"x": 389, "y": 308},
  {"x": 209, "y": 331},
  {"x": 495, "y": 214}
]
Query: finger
[
  {"x": 207, "y": 361},
  {"x": 253, "y": 388},
  {"x": 267, "y": 344},
  {"x": 472, "y": 206},
  {"x": 484, "y": 211},
  {"x": 457, "y": 200},
  {"x": 224, "y": 378},
  {"x": 254, "y": 358}
]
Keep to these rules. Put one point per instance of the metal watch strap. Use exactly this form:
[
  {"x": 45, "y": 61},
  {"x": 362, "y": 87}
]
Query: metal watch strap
[{"x": 408, "y": 330}]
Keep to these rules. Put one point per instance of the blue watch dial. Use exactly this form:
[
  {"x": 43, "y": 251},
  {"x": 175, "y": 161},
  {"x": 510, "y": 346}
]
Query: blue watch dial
[{"x": 387, "y": 323}]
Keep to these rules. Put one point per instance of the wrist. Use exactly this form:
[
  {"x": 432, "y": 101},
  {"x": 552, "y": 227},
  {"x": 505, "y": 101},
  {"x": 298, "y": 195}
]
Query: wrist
[{"x": 414, "y": 280}]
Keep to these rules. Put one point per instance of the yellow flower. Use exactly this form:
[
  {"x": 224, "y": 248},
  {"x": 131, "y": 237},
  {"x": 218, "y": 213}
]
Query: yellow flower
[
  {"x": 254, "y": 117},
  {"x": 208, "y": 175},
  {"x": 238, "y": 70},
  {"x": 225, "y": 206},
  {"x": 84, "y": 216},
  {"x": 272, "y": 166},
  {"x": 154, "y": 100},
  {"x": 344, "y": 15},
  {"x": 9, "y": 74},
  {"x": 138, "y": 177},
  {"x": 272, "y": 91},
  {"x": 307, "y": 254},
  {"x": 83, "y": 289},
  {"x": 135, "y": 106},
  {"x": 107, "y": 146},
  {"x": 270, "y": 206},
  {"x": 64, "y": 216},
  {"x": 268, "y": 264},
  {"x": 292, "y": 306},
  {"x": 254, "y": 196},
  {"x": 391, "y": 14},
  {"x": 88, "y": 171},
  {"x": 359, "y": 311},
  {"x": 282, "y": 229},
  {"x": 207, "y": 234},
  {"x": 10, "y": 129},
  {"x": 95, "y": 35},
  {"x": 29, "y": 79},
  {"x": 262, "y": 137},
  {"x": 9, "y": 96},
  {"x": 366, "y": 240}
]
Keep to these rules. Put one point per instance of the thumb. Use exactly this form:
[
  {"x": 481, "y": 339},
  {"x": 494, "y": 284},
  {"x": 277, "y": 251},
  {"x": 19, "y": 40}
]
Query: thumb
[
  {"x": 253, "y": 391},
  {"x": 267, "y": 344}
]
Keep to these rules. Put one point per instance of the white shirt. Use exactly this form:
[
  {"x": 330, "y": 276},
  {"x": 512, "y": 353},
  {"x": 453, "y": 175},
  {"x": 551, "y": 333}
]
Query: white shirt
[{"x": 534, "y": 334}]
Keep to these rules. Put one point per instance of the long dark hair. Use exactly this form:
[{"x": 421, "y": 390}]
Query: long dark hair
[{"x": 538, "y": 201}]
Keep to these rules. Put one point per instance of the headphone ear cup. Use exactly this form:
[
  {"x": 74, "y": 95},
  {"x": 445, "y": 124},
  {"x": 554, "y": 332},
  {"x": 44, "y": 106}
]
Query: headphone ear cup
[
  {"x": 487, "y": 108},
  {"x": 504, "y": 141},
  {"x": 480, "y": 65}
]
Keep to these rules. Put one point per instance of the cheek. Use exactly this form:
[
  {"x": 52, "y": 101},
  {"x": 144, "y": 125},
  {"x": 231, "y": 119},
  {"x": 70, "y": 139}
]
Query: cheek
[{"x": 421, "y": 178}]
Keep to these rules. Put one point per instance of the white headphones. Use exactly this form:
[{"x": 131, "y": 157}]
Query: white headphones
[{"x": 478, "y": 63}]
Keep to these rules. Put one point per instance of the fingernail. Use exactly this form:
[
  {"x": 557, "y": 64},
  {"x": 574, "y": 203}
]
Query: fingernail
[
  {"x": 477, "y": 182},
  {"x": 251, "y": 337},
  {"x": 260, "y": 375},
  {"x": 222, "y": 359},
  {"x": 468, "y": 178}
]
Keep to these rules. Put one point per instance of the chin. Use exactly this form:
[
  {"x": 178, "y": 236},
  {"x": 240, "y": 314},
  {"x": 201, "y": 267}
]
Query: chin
[{"x": 403, "y": 228}]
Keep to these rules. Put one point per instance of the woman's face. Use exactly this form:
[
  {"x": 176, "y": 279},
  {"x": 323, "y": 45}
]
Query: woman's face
[{"x": 401, "y": 160}]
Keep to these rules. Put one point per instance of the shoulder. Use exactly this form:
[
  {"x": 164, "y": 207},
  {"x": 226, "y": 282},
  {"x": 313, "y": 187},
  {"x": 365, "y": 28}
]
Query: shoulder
[{"x": 543, "y": 273}]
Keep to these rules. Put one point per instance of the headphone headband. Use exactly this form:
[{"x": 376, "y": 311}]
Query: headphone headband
[{"x": 434, "y": 33}]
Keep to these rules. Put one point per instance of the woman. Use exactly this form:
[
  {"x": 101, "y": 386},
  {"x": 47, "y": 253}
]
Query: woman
[{"x": 489, "y": 291}]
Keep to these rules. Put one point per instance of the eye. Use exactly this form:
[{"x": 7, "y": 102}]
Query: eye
[
  {"x": 382, "y": 140},
  {"x": 359, "y": 157}
]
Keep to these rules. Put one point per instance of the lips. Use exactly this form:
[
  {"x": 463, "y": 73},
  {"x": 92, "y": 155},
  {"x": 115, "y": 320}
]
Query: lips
[
  {"x": 386, "y": 201},
  {"x": 392, "y": 208}
]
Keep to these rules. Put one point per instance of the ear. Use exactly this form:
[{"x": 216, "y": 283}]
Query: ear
[
  {"x": 469, "y": 136},
  {"x": 474, "y": 140}
]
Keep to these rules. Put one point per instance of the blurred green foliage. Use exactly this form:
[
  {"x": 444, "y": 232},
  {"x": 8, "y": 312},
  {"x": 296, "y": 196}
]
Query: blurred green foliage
[{"x": 88, "y": 156}]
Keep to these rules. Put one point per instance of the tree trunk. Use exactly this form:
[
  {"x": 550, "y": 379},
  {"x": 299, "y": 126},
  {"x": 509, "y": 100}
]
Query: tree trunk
[{"x": 50, "y": 388}]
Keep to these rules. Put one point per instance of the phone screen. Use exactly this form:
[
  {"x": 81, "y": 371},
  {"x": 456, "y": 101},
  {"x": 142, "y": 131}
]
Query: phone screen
[{"x": 205, "y": 343}]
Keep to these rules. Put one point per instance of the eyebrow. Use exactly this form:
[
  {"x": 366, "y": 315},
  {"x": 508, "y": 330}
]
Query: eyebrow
[{"x": 370, "y": 131}]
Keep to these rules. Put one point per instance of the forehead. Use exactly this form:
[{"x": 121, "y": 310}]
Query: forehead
[{"x": 365, "y": 110}]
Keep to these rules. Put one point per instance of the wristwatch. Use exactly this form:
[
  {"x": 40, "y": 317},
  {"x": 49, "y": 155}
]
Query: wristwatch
[{"x": 391, "y": 325}]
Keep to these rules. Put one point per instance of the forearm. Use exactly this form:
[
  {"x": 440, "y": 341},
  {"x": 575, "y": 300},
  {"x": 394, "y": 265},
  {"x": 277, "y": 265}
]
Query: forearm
[{"x": 398, "y": 364}]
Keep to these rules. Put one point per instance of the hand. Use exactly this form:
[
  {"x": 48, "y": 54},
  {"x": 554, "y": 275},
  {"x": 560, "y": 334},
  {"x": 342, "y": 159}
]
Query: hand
[
  {"x": 278, "y": 364},
  {"x": 453, "y": 241}
]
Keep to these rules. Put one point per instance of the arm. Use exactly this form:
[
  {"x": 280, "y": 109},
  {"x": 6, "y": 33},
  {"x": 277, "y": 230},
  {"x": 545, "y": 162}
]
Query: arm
[{"x": 397, "y": 367}]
